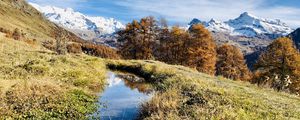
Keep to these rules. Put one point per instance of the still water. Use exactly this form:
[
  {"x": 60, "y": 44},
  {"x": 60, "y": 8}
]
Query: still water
[{"x": 122, "y": 97}]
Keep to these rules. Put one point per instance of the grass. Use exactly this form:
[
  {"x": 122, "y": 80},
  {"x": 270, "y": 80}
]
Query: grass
[
  {"x": 184, "y": 93},
  {"x": 38, "y": 84}
]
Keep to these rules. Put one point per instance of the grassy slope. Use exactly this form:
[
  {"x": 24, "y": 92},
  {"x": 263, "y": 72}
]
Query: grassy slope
[
  {"x": 36, "y": 83},
  {"x": 187, "y": 94},
  {"x": 18, "y": 14}
]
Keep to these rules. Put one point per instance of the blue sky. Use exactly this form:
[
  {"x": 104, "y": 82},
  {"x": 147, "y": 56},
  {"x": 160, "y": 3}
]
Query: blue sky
[{"x": 182, "y": 11}]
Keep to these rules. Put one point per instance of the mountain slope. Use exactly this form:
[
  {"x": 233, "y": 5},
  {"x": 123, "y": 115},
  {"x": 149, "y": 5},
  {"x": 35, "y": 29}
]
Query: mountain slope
[
  {"x": 19, "y": 14},
  {"x": 86, "y": 27},
  {"x": 296, "y": 37},
  {"x": 36, "y": 83},
  {"x": 247, "y": 25}
]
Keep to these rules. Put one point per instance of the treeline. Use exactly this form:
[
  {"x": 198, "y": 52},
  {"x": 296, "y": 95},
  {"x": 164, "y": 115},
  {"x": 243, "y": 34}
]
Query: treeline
[
  {"x": 65, "y": 42},
  {"x": 149, "y": 39}
]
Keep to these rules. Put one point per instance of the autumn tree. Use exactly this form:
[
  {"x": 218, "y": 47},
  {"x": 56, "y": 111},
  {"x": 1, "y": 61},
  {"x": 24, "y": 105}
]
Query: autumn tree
[
  {"x": 172, "y": 46},
  {"x": 161, "y": 51},
  {"x": 231, "y": 63},
  {"x": 138, "y": 39},
  {"x": 201, "y": 50},
  {"x": 279, "y": 66}
]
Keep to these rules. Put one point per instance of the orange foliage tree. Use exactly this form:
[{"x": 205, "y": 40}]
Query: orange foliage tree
[
  {"x": 231, "y": 63},
  {"x": 137, "y": 41},
  {"x": 279, "y": 66},
  {"x": 201, "y": 50}
]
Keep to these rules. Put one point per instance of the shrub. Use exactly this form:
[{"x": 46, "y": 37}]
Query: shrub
[
  {"x": 31, "y": 41},
  {"x": 74, "y": 48},
  {"x": 3, "y": 30},
  {"x": 99, "y": 51},
  {"x": 17, "y": 35},
  {"x": 49, "y": 44}
]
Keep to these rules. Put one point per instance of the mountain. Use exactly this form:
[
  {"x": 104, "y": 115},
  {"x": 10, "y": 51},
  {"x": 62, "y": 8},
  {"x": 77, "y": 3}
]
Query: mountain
[
  {"x": 247, "y": 32},
  {"x": 98, "y": 29},
  {"x": 296, "y": 37},
  {"x": 19, "y": 14},
  {"x": 247, "y": 25}
]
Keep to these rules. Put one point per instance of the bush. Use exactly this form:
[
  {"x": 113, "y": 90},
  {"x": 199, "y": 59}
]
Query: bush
[
  {"x": 99, "y": 51},
  {"x": 74, "y": 48},
  {"x": 31, "y": 41},
  {"x": 17, "y": 35},
  {"x": 49, "y": 45},
  {"x": 3, "y": 30}
]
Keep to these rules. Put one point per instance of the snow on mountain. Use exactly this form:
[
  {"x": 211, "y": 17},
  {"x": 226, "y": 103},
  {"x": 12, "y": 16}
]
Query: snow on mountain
[
  {"x": 87, "y": 27},
  {"x": 247, "y": 25}
]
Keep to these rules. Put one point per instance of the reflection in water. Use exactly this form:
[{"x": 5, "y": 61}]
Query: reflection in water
[{"x": 122, "y": 98}]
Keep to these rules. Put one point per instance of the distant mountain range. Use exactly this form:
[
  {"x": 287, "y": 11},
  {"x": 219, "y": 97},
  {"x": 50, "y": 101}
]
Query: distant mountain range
[
  {"x": 248, "y": 32},
  {"x": 247, "y": 25},
  {"x": 99, "y": 29}
]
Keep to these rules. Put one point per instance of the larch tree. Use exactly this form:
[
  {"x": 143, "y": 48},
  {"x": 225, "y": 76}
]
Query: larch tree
[
  {"x": 128, "y": 39},
  {"x": 231, "y": 63},
  {"x": 201, "y": 50},
  {"x": 178, "y": 51},
  {"x": 279, "y": 66},
  {"x": 172, "y": 46},
  {"x": 138, "y": 39},
  {"x": 162, "y": 50}
]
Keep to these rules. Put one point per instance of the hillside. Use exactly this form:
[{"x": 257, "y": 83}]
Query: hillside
[
  {"x": 19, "y": 14},
  {"x": 36, "y": 83},
  {"x": 296, "y": 37},
  {"x": 184, "y": 93}
]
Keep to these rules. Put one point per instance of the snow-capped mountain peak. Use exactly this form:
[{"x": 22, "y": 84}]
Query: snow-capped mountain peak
[
  {"x": 195, "y": 21},
  {"x": 87, "y": 27},
  {"x": 247, "y": 25}
]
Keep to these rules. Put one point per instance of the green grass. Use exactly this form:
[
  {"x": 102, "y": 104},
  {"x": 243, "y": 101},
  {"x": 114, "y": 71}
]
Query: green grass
[
  {"x": 184, "y": 93},
  {"x": 37, "y": 83}
]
